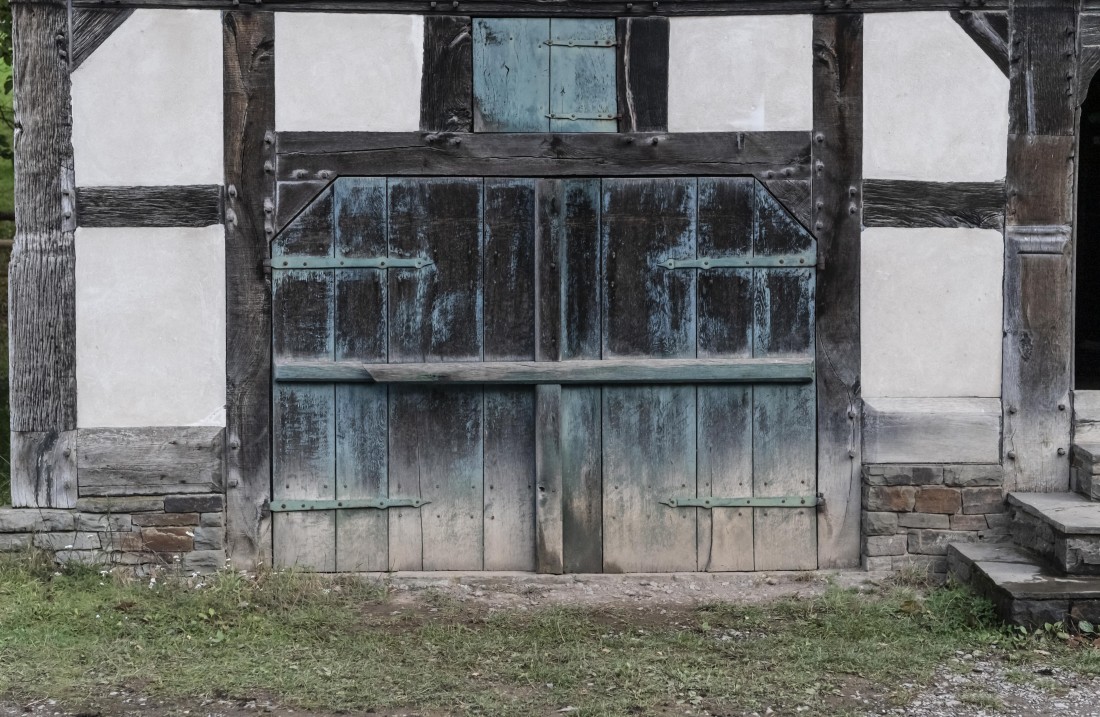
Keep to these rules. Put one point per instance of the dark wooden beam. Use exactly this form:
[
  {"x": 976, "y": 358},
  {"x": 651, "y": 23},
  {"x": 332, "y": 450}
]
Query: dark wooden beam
[
  {"x": 446, "y": 92},
  {"x": 835, "y": 188},
  {"x": 172, "y": 206},
  {"x": 1042, "y": 67},
  {"x": 42, "y": 272},
  {"x": 324, "y": 155},
  {"x": 249, "y": 62},
  {"x": 90, "y": 29},
  {"x": 569, "y": 8},
  {"x": 989, "y": 30},
  {"x": 898, "y": 203},
  {"x": 642, "y": 69}
]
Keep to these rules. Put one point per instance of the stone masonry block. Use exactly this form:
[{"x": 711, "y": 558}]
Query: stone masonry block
[
  {"x": 103, "y": 522},
  {"x": 877, "y": 546},
  {"x": 67, "y": 541},
  {"x": 209, "y": 538},
  {"x": 982, "y": 500},
  {"x": 122, "y": 504},
  {"x": 157, "y": 520},
  {"x": 204, "y": 561},
  {"x": 968, "y": 522},
  {"x": 34, "y": 520},
  {"x": 998, "y": 521},
  {"x": 971, "y": 476},
  {"x": 895, "y": 475},
  {"x": 924, "y": 520},
  {"x": 880, "y": 523},
  {"x": 212, "y": 520},
  {"x": 11, "y": 542},
  {"x": 898, "y": 499},
  {"x": 934, "y": 542},
  {"x": 194, "y": 503},
  {"x": 876, "y": 564},
  {"x": 937, "y": 500},
  {"x": 168, "y": 539}
]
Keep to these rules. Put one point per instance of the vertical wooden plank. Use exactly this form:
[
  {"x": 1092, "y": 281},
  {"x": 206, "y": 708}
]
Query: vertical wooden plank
[
  {"x": 42, "y": 321},
  {"x": 649, "y": 432},
  {"x": 642, "y": 73},
  {"x": 362, "y": 536},
  {"x": 550, "y": 208},
  {"x": 582, "y": 76},
  {"x": 581, "y": 414},
  {"x": 436, "y": 454},
  {"x": 1042, "y": 54},
  {"x": 447, "y": 79},
  {"x": 725, "y": 228},
  {"x": 304, "y": 423},
  {"x": 249, "y": 87},
  {"x": 509, "y": 512},
  {"x": 436, "y": 435},
  {"x": 835, "y": 188},
  {"x": 648, "y": 456},
  {"x": 548, "y": 473},
  {"x": 511, "y": 75}
]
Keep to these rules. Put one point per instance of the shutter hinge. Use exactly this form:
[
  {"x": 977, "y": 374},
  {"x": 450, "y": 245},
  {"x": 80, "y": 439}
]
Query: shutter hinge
[
  {"x": 294, "y": 506},
  {"x": 795, "y": 501}
]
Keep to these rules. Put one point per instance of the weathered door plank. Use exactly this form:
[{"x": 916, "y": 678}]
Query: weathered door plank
[
  {"x": 582, "y": 77},
  {"x": 511, "y": 75}
]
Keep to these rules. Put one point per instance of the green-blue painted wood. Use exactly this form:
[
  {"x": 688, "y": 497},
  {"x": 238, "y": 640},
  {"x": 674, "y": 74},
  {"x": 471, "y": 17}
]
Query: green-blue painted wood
[
  {"x": 582, "y": 76},
  {"x": 511, "y": 75}
]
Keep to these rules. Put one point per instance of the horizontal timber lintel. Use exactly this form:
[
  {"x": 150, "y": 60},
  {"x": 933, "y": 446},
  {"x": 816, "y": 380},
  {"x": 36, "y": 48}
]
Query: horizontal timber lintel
[
  {"x": 745, "y": 370},
  {"x": 915, "y": 204},
  {"x": 568, "y": 8},
  {"x": 324, "y": 155},
  {"x": 161, "y": 206}
]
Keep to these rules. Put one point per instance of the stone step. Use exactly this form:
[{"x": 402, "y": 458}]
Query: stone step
[
  {"x": 1063, "y": 528},
  {"x": 1024, "y": 590},
  {"x": 1085, "y": 470}
]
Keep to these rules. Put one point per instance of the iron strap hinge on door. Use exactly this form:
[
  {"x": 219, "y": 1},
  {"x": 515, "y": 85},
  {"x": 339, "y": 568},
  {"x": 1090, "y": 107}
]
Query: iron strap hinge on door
[
  {"x": 787, "y": 261},
  {"x": 328, "y": 262},
  {"x": 789, "y": 501},
  {"x": 293, "y": 506}
]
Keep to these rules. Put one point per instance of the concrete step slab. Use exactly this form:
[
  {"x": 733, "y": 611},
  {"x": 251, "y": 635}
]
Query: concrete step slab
[
  {"x": 1063, "y": 528},
  {"x": 1022, "y": 587}
]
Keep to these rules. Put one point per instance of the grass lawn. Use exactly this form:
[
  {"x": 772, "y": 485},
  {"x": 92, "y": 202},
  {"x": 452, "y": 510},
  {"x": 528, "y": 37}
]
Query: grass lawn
[{"x": 313, "y": 643}]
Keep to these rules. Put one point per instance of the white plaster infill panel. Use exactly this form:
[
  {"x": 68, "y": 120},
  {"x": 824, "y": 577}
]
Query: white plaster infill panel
[
  {"x": 147, "y": 104},
  {"x": 935, "y": 107},
  {"x": 744, "y": 73},
  {"x": 150, "y": 327},
  {"x": 348, "y": 72},
  {"x": 931, "y": 312}
]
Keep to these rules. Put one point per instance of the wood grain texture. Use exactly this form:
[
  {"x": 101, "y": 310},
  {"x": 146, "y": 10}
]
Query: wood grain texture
[
  {"x": 42, "y": 272},
  {"x": 989, "y": 30},
  {"x": 292, "y": 198},
  {"x": 583, "y": 8},
  {"x": 582, "y": 479},
  {"x": 150, "y": 461},
  {"x": 46, "y": 464},
  {"x": 548, "y": 477},
  {"x": 838, "y": 131},
  {"x": 1039, "y": 184},
  {"x": 447, "y": 79},
  {"x": 794, "y": 195},
  {"x": 1042, "y": 65},
  {"x": 931, "y": 430},
  {"x": 90, "y": 28},
  {"x": 1088, "y": 28},
  {"x": 511, "y": 75},
  {"x": 249, "y": 85},
  {"x": 582, "y": 77},
  {"x": 510, "y": 479},
  {"x": 176, "y": 206},
  {"x": 642, "y": 70},
  {"x": 771, "y": 155},
  {"x": 1036, "y": 377},
  {"x": 577, "y": 371},
  {"x": 900, "y": 203}
]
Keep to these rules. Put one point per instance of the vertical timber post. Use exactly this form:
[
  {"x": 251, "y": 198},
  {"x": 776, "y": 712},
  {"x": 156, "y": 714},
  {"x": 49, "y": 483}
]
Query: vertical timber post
[
  {"x": 1038, "y": 295},
  {"x": 836, "y": 189},
  {"x": 42, "y": 273},
  {"x": 249, "y": 86}
]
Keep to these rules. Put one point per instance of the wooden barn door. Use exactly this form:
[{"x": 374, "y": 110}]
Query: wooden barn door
[{"x": 517, "y": 374}]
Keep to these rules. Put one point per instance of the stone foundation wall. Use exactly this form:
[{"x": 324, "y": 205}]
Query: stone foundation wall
[
  {"x": 912, "y": 512},
  {"x": 142, "y": 532}
]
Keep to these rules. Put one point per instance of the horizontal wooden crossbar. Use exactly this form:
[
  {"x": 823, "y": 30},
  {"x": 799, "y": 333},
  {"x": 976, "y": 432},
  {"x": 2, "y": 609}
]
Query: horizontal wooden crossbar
[
  {"x": 323, "y": 155},
  {"x": 167, "y": 206},
  {"x": 567, "y": 8},
  {"x": 902, "y": 203},
  {"x": 731, "y": 370}
]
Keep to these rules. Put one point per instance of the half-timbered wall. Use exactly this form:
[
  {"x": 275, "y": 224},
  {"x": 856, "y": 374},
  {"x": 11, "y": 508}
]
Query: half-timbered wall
[{"x": 891, "y": 137}]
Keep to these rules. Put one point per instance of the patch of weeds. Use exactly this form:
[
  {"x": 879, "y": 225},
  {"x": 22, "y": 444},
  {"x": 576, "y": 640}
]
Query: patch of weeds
[
  {"x": 912, "y": 575},
  {"x": 983, "y": 699}
]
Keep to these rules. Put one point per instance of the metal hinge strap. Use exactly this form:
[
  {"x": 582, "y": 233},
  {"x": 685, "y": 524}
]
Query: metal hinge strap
[
  {"x": 576, "y": 117},
  {"x": 795, "y": 501},
  {"x": 607, "y": 42},
  {"x": 291, "y": 506},
  {"x": 789, "y": 261},
  {"x": 328, "y": 262}
]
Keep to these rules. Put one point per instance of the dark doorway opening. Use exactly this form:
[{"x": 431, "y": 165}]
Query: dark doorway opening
[{"x": 1087, "y": 309}]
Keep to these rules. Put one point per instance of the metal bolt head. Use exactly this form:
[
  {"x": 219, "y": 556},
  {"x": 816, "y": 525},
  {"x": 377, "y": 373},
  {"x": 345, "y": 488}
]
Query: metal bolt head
[
  {"x": 1061, "y": 451},
  {"x": 1061, "y": 406},
  {"x": 1011, "y": 455}
]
